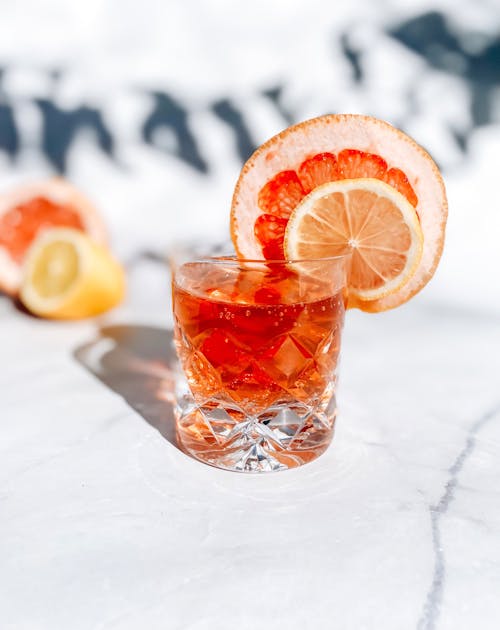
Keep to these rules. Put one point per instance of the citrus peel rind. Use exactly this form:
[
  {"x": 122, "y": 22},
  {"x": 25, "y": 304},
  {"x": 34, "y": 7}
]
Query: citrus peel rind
[
  {"x": 366, "y": 218},
  {"x": 332, "y": 134},
  {"x": 67, "y": 275},
  {"x": 59, "y": 192}
]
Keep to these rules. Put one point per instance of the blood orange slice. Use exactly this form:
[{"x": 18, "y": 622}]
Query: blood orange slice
[
  {"x": 27, "y": 211},
  {"x": 294, "y": 163}
]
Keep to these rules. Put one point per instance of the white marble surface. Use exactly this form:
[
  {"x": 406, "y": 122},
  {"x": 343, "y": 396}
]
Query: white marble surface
[{"x": 105, "y": 524}]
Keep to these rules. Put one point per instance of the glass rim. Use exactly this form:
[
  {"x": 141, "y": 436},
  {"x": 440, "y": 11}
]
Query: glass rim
[{"x": 233, "y": 259}]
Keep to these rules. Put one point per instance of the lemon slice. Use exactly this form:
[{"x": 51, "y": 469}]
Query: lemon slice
[
  {"x": 67, "y": 275},
  {"x": 369, "y": 219}
]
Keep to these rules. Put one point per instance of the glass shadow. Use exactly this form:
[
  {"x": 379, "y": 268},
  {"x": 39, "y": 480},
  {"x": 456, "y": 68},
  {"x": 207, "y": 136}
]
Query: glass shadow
[{"x": 138, "y": 363}]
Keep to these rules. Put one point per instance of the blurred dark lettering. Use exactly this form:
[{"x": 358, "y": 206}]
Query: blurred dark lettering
[
  {"x": 60, "y": 126},
  {"x": 472, "y": 57},
  {"x": 9, "y": 137},
  {"x": 167, "y": 113},
  {"x": 227, "y": 112}
]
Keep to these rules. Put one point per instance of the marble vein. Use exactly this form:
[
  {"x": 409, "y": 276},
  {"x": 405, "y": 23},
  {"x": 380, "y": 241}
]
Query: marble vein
[{"x": 432, "y": 606}]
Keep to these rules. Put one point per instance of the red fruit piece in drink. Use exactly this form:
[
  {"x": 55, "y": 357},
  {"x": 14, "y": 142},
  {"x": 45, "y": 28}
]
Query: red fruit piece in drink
[
  {"x": 220, "y": 349},
  {"x": 267, "y": 295}
]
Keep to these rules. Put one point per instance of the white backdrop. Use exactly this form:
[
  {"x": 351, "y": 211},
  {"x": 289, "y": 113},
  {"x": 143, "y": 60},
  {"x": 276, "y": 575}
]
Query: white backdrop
[{"x": 234, "y": 73}]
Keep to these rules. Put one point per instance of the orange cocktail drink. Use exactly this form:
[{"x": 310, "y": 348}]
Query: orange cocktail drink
[{"x": 259, "y": 344}]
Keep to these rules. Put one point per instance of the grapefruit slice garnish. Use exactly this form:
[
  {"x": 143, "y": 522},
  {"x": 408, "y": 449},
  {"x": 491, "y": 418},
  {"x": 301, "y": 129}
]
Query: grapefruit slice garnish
[
  {"x": 284, "y": 170},
  {"x": 29, "y": 210},
  {"x": 369, "y": 219}
]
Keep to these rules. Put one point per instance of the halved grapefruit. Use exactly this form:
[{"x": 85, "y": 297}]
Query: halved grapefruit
[
  {"x": 28, "y": 210},
  {"x": 289, "y": 167}
]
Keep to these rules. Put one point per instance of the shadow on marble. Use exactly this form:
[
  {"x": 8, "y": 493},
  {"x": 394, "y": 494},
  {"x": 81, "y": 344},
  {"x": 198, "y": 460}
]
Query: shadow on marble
[
  {"x": 18, "y": 305},
  {"x": 138, "y": 363}
]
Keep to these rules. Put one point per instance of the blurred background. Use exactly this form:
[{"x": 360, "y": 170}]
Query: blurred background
[{"x": 151, "y": 107}]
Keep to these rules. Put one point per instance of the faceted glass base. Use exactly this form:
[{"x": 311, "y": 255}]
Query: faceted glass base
[{"x": 283, "y": 436}]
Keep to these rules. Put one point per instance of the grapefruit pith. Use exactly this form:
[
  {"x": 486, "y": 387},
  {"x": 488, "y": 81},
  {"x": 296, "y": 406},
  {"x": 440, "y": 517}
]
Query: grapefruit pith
[{"x": 290, "y": 166}]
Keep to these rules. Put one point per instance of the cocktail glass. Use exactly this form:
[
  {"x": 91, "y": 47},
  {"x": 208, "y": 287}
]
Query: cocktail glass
[{"x": 259, "y": 345}]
